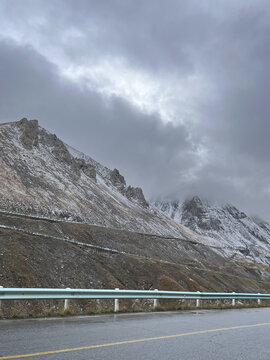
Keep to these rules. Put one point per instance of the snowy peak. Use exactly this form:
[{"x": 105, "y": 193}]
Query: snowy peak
[
  {"x": 230, "y": 226},
  {"x": 202, "y": 216},
  {"x": 198, "y": 215}
]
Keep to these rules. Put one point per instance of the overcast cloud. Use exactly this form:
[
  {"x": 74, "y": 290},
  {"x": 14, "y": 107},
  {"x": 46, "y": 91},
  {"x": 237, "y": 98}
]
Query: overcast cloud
[{"x": 175, "y": 94}]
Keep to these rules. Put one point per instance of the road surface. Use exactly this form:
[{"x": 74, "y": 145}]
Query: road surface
[{"x": 194, "y": 335}]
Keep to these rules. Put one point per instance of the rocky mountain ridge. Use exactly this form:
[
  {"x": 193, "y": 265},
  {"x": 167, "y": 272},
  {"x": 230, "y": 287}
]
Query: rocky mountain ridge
[{"x": 42, "y": 175}]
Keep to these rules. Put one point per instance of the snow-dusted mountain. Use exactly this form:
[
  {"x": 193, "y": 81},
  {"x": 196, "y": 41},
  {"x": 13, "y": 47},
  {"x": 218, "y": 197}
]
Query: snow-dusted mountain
[
  {"x": 226, "y": 224},
  {"x": 41, "y": 175}
]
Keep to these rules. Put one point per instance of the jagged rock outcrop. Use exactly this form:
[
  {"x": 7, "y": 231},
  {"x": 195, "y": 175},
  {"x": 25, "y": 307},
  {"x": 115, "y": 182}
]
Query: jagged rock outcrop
[
  {"x": 117, "y": 179},
  {"x": 131, "y": 193},
  {"x": 88, "y": 169},
  {"x": 56, "y": 146},
  {"x": 136, "y": 194},
  {"x": 29, "y": 134}
]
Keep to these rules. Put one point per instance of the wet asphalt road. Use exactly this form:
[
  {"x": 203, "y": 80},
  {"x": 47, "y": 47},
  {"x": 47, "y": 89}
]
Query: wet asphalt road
[{"x": 170, "y": 335}]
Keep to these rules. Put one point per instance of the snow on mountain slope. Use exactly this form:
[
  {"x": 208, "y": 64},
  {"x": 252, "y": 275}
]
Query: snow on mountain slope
[
  {"x": 41, "y": 175},
  {"x": 226, "y": 224}
]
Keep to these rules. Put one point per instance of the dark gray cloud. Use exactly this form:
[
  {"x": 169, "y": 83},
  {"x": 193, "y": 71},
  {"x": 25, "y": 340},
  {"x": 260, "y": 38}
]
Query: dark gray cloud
[
  {"x": 140, "y": 30},
  {"x": 204, "y": 63},
  {"x": 112, "y": 132}
]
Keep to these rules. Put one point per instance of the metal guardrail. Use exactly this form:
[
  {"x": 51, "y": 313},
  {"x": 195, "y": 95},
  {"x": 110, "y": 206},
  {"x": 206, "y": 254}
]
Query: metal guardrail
[
  {"x": 116, "y": 294},
  {"x": 51, "y": 293}
]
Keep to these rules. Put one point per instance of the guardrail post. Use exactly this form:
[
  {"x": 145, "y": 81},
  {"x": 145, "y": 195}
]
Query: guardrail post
[
  {"x": 66, "y": 303},
  {"x": 1, "y": 287},
  {"x": 259, "y": 300},
  {"x": 233, "y": 300},
  {"x": 116, "y": 303},
  {"x": 155, "y": 301},
  {"x": 198, "y": 300}
]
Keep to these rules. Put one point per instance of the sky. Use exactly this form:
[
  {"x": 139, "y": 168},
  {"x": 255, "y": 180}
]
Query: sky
[{"x": 175, "y": 93}]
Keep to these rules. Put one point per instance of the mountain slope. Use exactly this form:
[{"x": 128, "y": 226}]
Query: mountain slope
[
  {"x": 38, "y": 252},
  {"x": 41, "y": 175},
  {"x": 226, "y": 224}
]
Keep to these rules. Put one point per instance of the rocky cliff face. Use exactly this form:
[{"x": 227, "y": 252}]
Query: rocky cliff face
[
  {"x": 226, "y": 224},
  {"x": 41, "y": 175}
]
